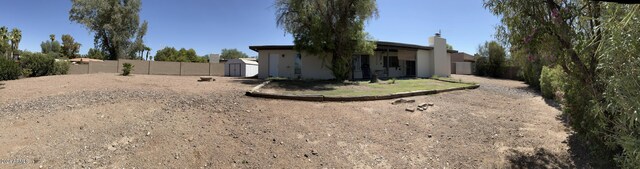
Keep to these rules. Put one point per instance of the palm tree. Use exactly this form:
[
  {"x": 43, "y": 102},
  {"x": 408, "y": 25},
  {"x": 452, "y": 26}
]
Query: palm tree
[
  {"x": 16, "y": 37},
  {"x": 147, "y": 49},
  {"x": 3, "y": 37}
]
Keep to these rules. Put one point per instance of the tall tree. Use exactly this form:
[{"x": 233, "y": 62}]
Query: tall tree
[
  {"x": 53, "y": 47},
  {"x": 494, "y": 55},
  {"x": 5, "y": 47},
  {"x": 95, "y": 54},
  {"x": 232, "y": 54},
  {"x": 329, "y": 27},
  {"x": 137, "y": 48},
  {"x": 16, "y": 37},
  {"x": 70, "y": 48},
  {"x": 115, "y": 23}
]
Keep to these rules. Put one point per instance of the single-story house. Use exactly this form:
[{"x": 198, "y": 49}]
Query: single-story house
[
  {"x": 243, "y": 67},
  {"x": 389, "y": 60},
  {"x": 461, "y": 63}
]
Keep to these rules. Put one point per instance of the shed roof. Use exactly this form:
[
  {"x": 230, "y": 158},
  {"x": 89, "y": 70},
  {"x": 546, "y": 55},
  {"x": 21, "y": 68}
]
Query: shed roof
[{"x": 243, "y": 60}]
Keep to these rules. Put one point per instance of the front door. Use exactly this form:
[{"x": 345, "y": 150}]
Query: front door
[
  {"x": 411, "y": 68},
  {"x": 364, "y": 66},
  {"x": 273, "y": 64}
]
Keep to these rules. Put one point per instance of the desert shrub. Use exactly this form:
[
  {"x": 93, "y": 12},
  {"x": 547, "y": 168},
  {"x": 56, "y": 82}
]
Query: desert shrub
[
  {"x": 26, "y": 72},
  {"x": 551, "y": 82},
  {"x": 126, "y": 69},
  {"x": 9, "y": 70},
  {"x": 40, "y": 64},
  {"x": 61, "y": 67}
]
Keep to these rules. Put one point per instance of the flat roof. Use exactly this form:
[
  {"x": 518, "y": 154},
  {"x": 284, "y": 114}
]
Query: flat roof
[{"x": 380, "y": 44}]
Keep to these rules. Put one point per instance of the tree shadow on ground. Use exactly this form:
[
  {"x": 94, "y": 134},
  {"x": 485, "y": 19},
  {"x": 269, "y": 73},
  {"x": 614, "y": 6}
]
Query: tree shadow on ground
[
  {"x": 540, "y": 158},
  {"x": 1, "y": 85},
  {"x": 299, "y": 85},
  {"x": 247, "y": 80}
]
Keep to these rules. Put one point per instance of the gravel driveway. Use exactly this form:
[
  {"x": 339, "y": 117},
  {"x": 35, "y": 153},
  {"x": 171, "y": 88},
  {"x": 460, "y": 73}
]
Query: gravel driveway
[{"x": 144, "y": 121}]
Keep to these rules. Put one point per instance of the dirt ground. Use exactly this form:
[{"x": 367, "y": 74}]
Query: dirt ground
[{"x": 109, "y": 121}]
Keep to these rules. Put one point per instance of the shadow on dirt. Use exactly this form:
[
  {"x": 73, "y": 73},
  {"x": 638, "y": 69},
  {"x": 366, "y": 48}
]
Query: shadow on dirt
[
  {"x": 541, "y": 158},
  {"x": 248, "y": 81},
  {"x": 296, "y": 85}
]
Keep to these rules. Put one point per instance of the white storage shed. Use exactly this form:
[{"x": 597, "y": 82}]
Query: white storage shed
[{"x": 243, "y": 67}]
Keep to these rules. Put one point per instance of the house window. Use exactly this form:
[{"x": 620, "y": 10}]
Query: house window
[
  {"x": 390, "y": 61},
  {"x": 298, "y": 64}
]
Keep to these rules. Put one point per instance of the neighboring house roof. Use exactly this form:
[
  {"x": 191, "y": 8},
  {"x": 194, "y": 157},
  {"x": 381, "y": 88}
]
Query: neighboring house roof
[
  {"x": 378, "y": 43},
  {"x": 85, "y": 60}
]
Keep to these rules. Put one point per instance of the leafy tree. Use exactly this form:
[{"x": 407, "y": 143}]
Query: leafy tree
[
  {"x": 52, "y": 48},
  {"x": 182, "y": 55},
  {"x": 449, "y": 47},
  {"x": 115, "y": 24},
  {"x": 70, "y": 48},
  {"x": 16, "y": 37},
  {"x": 333, "y": 28},
  {"x": 232, "y": 54},
  {"x": 592, "y": 42},
  {"x": 95, "y": 54},
  {"x": 495, "y": 54},
  {"x": 138, "y": 48}
]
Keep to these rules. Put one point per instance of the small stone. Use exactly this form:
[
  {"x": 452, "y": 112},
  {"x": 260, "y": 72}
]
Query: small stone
[
  {"x": 314, "y": 152},
  {"x": 430, "y": 104},
  {"x": 274, "y": 156},
  {"x": 422, "y": 105},
  {"x": 305, "y": 155},
  {"x": 410, "y": 109},
  {"x": 148, "y": 133},
  {"x": 429, "y": 136}
]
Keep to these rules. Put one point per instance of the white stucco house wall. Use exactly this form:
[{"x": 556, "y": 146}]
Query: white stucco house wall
[
  {"x": 389, "y": 60},
  {"x": 241, "y": 68}
]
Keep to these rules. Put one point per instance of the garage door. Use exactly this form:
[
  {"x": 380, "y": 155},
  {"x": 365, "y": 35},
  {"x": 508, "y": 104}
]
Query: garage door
[{"x": 235, "y": 70}]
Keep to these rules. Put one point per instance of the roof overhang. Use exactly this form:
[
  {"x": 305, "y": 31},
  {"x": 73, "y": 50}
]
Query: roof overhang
[{"x": 381, "y": 45}]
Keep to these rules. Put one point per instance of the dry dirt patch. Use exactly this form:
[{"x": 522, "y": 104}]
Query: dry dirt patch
[{"x": 109, "y": 121}]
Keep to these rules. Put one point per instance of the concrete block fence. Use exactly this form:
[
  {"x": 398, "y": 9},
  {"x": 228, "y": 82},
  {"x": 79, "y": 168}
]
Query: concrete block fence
[{"x": 151, "y": 68}]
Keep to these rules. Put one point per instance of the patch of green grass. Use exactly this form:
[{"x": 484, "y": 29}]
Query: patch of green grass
[{"x": 361, "y": 88}]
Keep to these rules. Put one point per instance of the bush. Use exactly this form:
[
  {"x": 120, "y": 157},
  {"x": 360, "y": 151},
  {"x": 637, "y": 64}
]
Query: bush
[
  {"x": 480, "y": 68},
  {"x": 9, "y": 70},
  {"x": 40, "y": 64},
  {"x": 552, "y": 82},
  {"x": 26, "y": 72},
  {"x": 61, "y": 68},
  {"x": 126, "y": 69}
]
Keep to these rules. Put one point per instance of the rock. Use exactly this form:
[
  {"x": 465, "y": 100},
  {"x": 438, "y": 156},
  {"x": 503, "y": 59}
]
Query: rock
[
  {"x": 429, "y": 136},
  {"x": 148, "y": 133},
  {"x": 430, "y": 104},
  {"x": 274, "y": 156},
  {"x": 206, "y": 79},
  {"x": 314, "y": 152},
  {"x": 423, "y": 105},
  {"x": 410, "y": 109}
]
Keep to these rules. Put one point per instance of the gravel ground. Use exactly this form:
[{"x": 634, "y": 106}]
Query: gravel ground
[{"x": 109, "y": 121}]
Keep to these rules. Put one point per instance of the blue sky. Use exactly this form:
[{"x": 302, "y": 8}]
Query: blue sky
[{"x": 211, "y": 25}]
